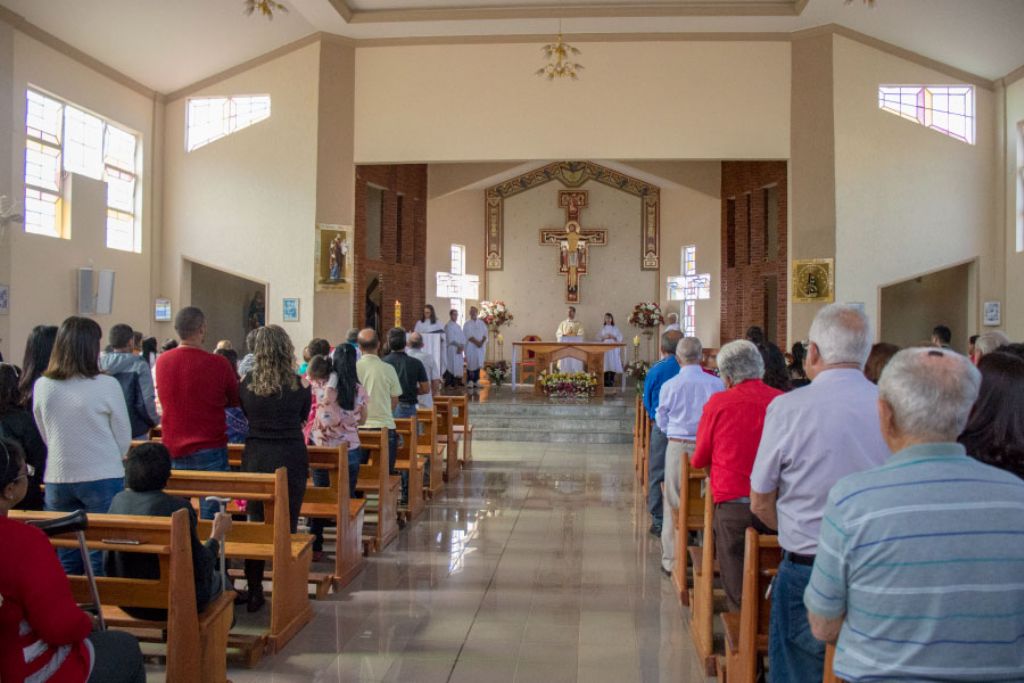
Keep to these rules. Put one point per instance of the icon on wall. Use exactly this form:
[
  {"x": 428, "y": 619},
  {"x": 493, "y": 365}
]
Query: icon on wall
[
  {"x": 814, "y": 281},
  {"x": 290, "y": 310},
  {"x": 162, "y": 310},
  {"x": 993, "y": 314},
  {"x": 334, "y": 267}
]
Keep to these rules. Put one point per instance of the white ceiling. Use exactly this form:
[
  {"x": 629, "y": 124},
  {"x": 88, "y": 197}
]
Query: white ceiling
[{"x": 169, "y": 45}]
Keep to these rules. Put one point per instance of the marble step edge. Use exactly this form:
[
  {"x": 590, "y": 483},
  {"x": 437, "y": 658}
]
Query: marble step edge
[
  {"x": 545, "y": 409},
  {"x": 554, "y": 422},
  {"x": 545, "y": 436}
]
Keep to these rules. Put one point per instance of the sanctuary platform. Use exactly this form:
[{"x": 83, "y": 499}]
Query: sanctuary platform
[{"x": 499, "y": 414}]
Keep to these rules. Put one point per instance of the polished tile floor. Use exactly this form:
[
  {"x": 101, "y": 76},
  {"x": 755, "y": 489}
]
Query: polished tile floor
[{"x": 535, "y": 565}]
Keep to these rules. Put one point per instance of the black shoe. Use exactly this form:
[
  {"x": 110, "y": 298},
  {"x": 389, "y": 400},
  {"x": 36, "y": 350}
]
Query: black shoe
[
  {"x": 666, "y": 572},
  {"x": 256, "y": 601},
  {"x": 241, "y": 597},
  {"x": 655, "y": 530}
]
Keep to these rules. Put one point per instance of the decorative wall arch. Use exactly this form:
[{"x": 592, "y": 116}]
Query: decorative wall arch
[{"x": 573, "y": 174}]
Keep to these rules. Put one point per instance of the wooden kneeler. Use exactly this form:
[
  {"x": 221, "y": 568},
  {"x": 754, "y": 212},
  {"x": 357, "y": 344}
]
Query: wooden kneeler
[
  {"x": 690, "y": 517},
  {"x": 334, "y": 503},
  {"x": 702, "y": 605},
  {"x": 197, "y": 642},
  {"x": 746, "y": 632}
]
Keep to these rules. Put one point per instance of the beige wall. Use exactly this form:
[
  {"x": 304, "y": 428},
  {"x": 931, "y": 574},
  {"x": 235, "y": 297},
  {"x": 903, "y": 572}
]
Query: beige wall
[
  {"x": 909, "y": 200},
  {"x": 42, "y": 269},
  {"x": 247, "y": 203},
  {"x": 910, "y": 309},
  {"x": 10, "y": 348},
  {"x": 530, "y": 284},
  {"x": 225, "y": 300},
  {"x": 1011, "y": 160},
  {"x": 671, "y": 100}
]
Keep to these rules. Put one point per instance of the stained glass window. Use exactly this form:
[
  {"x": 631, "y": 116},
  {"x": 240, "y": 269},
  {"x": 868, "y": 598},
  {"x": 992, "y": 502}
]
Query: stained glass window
[
  {"x": 948, "y": 109},
  {"x": 689, "y": 288},
  {"x": 457, "y": 286},
  {"x": 690, "y": 318},
  {"x": 211, "y": 118}
]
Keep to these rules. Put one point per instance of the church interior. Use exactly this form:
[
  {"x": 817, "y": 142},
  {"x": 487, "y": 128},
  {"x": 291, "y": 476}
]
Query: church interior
[{"x": 333, "y": 165}]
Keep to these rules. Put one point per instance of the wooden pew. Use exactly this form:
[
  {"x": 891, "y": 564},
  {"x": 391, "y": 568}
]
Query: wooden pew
[
  {"x": 290, "y": 554},
  {"x": 408, "y": 460},
  {"x": 690, "y": 517},
  {"x": 830, "y": 674},
  {"x": 446, "y": 438},
  {"x": 374, "y": 479},
  {"x": 746, "y": 633},
  {"x": 334, "y": 503},
  {"x": 197, "y": 643},
  {"x": 427, "y": 445},
  {"x": 461, "y": 427},
  {"x": 702, "y": 604}
]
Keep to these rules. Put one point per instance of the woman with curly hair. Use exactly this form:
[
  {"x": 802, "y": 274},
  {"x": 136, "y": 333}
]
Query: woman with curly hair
[
  {"x": 276, "y": 405},
  {"x": 995, "y": 431}
]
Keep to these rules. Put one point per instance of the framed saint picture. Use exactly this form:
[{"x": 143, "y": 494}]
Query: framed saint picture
[
  {"x": 333, "y": 264},
  {"x": 814, "y": 281},
  {"x": 290, "y": 310},
  {"x": 162, "y": 310},
  {"x": 993, "y": 314}
]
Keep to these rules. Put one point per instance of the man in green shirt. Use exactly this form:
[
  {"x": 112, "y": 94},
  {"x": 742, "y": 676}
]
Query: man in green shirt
[{"x": 381, "y": 384}]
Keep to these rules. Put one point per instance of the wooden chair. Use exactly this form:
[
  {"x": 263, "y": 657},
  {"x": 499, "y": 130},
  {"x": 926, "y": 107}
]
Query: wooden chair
[
  {"x": 689, "y": 518},
  {"x": 427, "y": 445},
  {"x": 461, "y": 428},
  {"x": 702, "y": 604},
  {"x": 528, "y": 365},
  {"x": 446, "y": 439},
  {"x": 746, "y": 632},
  {"x": 408, "y": 460},
  {"x": 197, "y": 642},
  {"x": 290, "y": 554},
  {"x": 334, "y": 503},
  {"x": 381, "y": 489}
]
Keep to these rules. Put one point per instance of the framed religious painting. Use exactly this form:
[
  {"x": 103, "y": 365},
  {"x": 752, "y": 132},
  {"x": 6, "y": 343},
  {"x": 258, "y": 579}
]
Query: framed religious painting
[
  {"x": 993, "y": 314},
  {"x": 333, "y": 260},
  {"x": 814, "y": 281},
  {"x": 290, "y": 310}
]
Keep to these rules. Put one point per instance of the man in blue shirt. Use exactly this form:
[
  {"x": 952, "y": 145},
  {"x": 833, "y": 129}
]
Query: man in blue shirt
[{"x": 660, "y": 372}]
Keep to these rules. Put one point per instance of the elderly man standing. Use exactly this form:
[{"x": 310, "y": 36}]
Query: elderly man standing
[
  {"x": 680, "y": 405},
  {"x": 812, "y": 438},
  {"x": 660, "y": 372},
  {"x": 383, "y": 387},
  {"x": 727, "y": 439},
  {"x": 417, "y": 351},
  {"x": 987, "y": 343},
  {"x": 920, "y": 574}
]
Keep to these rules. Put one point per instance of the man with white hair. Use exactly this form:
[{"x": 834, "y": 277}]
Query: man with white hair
[
  {"x": 812, "y": 438},
  {"x": 727, "y": 439},
  {"x": 680, "y": 404},
  {"x": 919, "y": 575},
  {"x": 987, "y": 343},
  {"x": 416, "y": 350},
  {"x": 671, "y": 323}
]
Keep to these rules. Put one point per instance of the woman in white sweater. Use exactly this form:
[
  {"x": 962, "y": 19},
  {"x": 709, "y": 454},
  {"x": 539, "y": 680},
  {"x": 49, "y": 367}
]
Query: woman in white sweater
[{"x": 83, "y": 419}]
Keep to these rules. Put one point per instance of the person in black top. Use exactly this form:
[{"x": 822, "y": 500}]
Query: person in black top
[
  {"x": 411, "y": 374},
  {"x": 18, "y": 424},
  {"x": 276, "y": 405},
  {"x": 146, "y": 472}
]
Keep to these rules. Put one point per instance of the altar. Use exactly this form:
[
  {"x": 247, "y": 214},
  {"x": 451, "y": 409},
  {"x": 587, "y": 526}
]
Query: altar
[{"x": 545, "y": 353}]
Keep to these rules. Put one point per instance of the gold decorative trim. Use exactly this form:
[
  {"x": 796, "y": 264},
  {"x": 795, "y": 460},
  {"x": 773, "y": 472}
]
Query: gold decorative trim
[
  {"x": 572, "y": 174},
  {"x": 813, "y": 281}
]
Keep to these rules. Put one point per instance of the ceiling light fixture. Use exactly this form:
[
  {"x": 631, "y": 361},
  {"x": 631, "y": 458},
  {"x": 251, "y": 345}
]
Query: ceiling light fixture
[
  {"x": 559, "y": 55},
  {"x": 264, "y": 8}
]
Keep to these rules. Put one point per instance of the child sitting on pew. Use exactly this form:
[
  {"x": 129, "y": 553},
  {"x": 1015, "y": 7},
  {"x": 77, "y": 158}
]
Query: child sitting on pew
[{"x": 147, "y": 470}]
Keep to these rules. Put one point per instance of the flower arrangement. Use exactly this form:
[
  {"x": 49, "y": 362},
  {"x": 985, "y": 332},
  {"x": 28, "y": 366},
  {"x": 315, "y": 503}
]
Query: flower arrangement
[
  {"x": 646, "y": 315},
  {"x": 638, "y": 371},
  {"x": 495, "y": 314},
  {"x": 499, "y": 373},
  {"x": 568, "y": 384}
]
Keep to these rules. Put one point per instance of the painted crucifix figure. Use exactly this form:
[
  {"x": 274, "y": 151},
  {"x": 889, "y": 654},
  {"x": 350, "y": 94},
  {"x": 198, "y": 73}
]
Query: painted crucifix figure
[{"x": 573, "y": 241}]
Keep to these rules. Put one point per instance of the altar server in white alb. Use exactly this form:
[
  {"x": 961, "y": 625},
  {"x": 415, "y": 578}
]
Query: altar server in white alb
[
  {"x": 455, "y": 344},
  {"x": 476, "y": 345},
  {"x": 570, "y": 330},
  {"x": 610, "y": 334},
  {"x": 671, "y": 323},
  {"x": 431, "y": 328}
]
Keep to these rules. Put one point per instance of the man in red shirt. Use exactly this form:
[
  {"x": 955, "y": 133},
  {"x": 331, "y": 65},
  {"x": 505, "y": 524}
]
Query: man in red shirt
[
  {"x": 727, "y": 439},
  {"x": 195, "y": 387}
]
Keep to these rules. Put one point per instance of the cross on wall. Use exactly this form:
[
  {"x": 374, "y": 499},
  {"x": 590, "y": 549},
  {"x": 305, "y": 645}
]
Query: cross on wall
[{"x": 689, "y": 288}]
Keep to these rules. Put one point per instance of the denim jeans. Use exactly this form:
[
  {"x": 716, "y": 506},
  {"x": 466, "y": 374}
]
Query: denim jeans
[
  {"x": 656, "y": 474},
  {"x": 207, "y": 460},
  {"x": 794, "y": 653},
  {"x": 91, "y": 496}
]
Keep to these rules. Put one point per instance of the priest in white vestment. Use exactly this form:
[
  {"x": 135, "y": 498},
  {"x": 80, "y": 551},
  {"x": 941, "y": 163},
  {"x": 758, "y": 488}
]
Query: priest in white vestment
[
  {"x": 455, "y": 345},
  {"x": 610, "y": 334},
  {"x": 671, "y": 323},
  {"x": 570, "y": 330},
  {"x": 433, "y": 335},
  {"x": 476, "y": 346}
]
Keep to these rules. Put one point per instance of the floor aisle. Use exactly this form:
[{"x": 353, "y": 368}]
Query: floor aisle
[{"x": 535, "y": 566}]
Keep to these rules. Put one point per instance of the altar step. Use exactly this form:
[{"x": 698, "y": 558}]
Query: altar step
[{"x": 553, "y": 423}]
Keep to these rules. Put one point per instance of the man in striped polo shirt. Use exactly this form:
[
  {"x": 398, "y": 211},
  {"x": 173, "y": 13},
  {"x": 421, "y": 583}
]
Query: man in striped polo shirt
[{"x": 920, "y": 565}]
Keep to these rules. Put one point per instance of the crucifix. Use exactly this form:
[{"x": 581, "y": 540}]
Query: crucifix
[
  {"x": 689, "y": 288},
  {"x": 573, "y": 241}
]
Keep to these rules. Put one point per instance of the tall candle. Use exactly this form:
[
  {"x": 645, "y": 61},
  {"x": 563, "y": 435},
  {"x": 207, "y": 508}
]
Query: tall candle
[{"x": 398, "y": 313}]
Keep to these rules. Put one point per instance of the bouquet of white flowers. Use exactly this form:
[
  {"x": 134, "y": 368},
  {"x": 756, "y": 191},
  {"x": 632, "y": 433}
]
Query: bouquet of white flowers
[
  {"x": 646, "y": 315},
  {"x": 495, "y": 314}
]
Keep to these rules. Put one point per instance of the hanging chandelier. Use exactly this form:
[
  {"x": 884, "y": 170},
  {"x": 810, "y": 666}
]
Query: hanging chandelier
[
  {"x": 560, "y": 55},
  {"x": 264, "y": 8}
]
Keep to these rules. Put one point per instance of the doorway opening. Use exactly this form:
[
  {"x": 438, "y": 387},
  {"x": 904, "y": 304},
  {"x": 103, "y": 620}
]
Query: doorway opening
[{"x": 233, "y": 304}]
